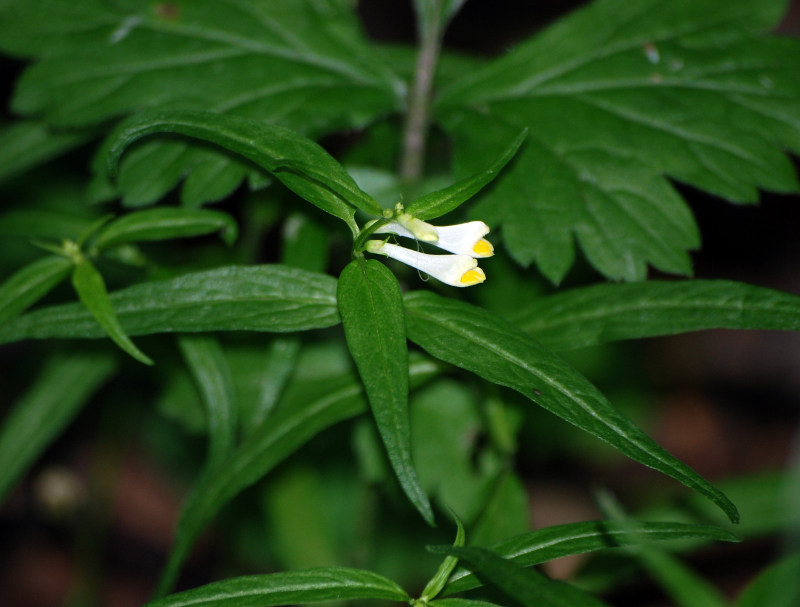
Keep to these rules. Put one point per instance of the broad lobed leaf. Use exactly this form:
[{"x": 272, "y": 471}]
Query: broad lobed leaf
[
  {"x": 615, "y": 97},
  {"x": 254, "y": 298},
  {"x": 300, "y": 63}
]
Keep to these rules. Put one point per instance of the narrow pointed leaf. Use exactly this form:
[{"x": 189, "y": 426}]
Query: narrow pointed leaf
[
  {"x": 254, "y": 298},
  {"x": 431, "y": 206},
  {"x": 288, "y": 588},
  {"x": 557, "y": 541},
  {"x": 610, "y": 312},
  {"x": 165, "y": 223},
  {"x": 371, "y": 305},
  {"x": 276, "y": 369},
  {"x": 211, "y": 373},
  {"x": 91, "y": 289},
  {"x": 529, "y": 587},
  {"x": 439, "y": 580},
  {"x": 29, "y": 284},
  {"x": 302, "y": 165},
  {"x": 62, "y": 388},
  {"x": 27, "y": 144},
  {"x": 496, "y": 350},
  {"x": 462, "y": 603}
]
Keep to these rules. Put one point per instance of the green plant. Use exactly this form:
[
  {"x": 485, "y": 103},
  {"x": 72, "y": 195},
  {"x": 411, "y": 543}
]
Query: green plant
[{"x": 571, "y": 138}]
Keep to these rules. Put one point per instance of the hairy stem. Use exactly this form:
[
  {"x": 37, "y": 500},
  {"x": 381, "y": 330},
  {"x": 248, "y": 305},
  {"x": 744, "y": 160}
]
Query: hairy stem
[{"x": 419, "y": 101}]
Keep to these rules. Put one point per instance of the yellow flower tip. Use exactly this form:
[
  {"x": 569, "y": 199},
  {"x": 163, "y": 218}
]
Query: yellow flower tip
[
  {"x": 472, "y": 277},
  {"x": 483, "y": 248}
]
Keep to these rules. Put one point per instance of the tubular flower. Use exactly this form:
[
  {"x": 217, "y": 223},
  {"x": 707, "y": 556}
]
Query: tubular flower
[
  {"x": 454, "y": 270},
  {"x": 461, "y": 239}
]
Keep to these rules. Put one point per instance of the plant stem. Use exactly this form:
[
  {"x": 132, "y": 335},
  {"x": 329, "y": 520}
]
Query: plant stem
[{"x": 419, "y": 101}]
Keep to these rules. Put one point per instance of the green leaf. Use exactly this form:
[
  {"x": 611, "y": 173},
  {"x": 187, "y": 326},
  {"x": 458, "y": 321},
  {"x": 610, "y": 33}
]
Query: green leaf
[
  {"x": 303, "y": 64},
  {"x": 27, "y": 144},
  {"x": 254, "y": 298},
  {"x": 371, "y": 306},
  {"x": 165, "y": 223},
  {"x": 62, "y": 388},
  {"x": 307, "y": 408},
  {"x": 616, "y": 97},
  {"x": 288, "y": 588},
  {"x": 777, "y": 586},
  {"x": 462, "y": 603},
  {"x": 611, "y": 312},
  {"x": 494, "y": 349},
  {"x": 529, "y": 587},
  {"x": 211, "y": 373},
  {"x": 443, "y": 201},
  {"x": 305, "y": 243},
  {"x": 554, "y": 542},
  {"x": 29, "y": 284},
  {"x": 91, "y": 290},
  {"x": 301, "y": 164},
  {"x": 433, "y": 15},
  {"x": 439, "y": 580}
]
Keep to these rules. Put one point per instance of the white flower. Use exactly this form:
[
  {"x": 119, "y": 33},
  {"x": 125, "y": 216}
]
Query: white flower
[
  {"x": 461, "y": 239},
  {"x": 454, "y": 270}
]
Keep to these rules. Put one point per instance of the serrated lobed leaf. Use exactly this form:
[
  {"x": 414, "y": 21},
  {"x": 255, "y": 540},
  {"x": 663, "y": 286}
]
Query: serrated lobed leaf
[
  {"x": 474, "y": 339},
  {"x": 254, "y": 298},
  {"x": 299, "y": 63},
  {"x": 557, "y": 541},
  {"x": 609, "y": 312},
  {"x": 616, "y": 96},
  {"x": 288, "y": 588}
]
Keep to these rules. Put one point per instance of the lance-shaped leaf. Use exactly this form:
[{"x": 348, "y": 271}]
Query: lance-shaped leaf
[
  {"x": 29, "y": 284},
  {"x": 617, "y": 96},
  {"x": 288, "y": 588},
  {"x": 529, "y": 587},
  {"x": 611, "y": 312},
  {"x": 91, "y": 290},
  {"x": 211, "y": 373},
  {"x": 254, "y": 298},
  {"x": 300, "y": 63},
  {"x": 165, "y": 223},
  {"x": 496, "y": 350},
  {"x": 439, "y": 580},
  {"x": 307, "y": 410},
  {"x": 443, "y": 201},
  {"x": 462, "y": 603},
  {"x": 300, "y": 163},
  {"x": 62, "y": 388},
  {"x": 557, "y": 541},
  {"x": 371, "y": 305}
]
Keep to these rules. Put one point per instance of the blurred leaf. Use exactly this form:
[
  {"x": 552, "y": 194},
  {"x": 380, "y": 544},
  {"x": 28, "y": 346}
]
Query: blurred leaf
[
  {"x": 288, "y": 588},
  {"x": 91, "y": 290},
  {"x": 617, "y": 96},
  {"x": 305, "y": 243},
  {"x": 438, "y": 581},
  {"x": 473, "y": 339},
  {"x": 253, "y": 298},
  {"x": 371, "y": 306},
  {"x": 554, "y": 542},
  {"x": 61, "y": 389},
  {"x": 609, "y": 312},
  {"x": 435, "y": 204},
  {"x": 29, "y": 284},
  {"x": 211, "y": 373},
  {"x": 301, "y": 164},
  {"x": 505, "y": 513},
  {"x": 27, "y": 144},
  {"x": 300, "y": 63},
  {"x": 529, "y": 587},
  {"x": 777, "y": 586},
  {"x": 306, "y": 409},
  {"x": 433, "y": 15},
  {"x": 462, "y": 603},
  {"x": 165, "y": 223}
]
